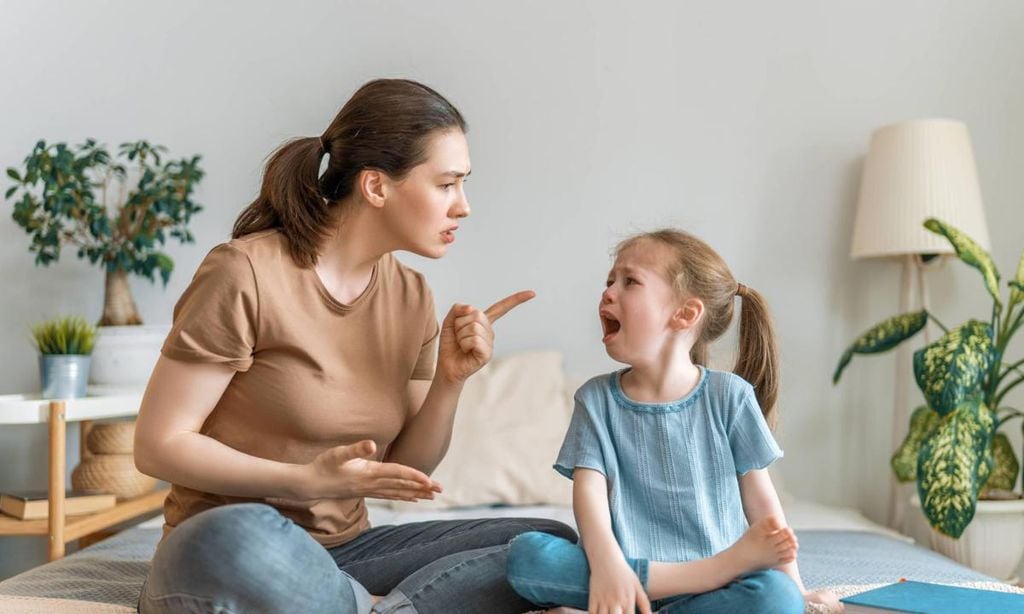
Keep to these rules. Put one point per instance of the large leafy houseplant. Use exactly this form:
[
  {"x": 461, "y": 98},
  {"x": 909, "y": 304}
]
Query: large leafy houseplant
[
  {"x": 62, "y": 197},
  {"x": 954, "y": 448}
]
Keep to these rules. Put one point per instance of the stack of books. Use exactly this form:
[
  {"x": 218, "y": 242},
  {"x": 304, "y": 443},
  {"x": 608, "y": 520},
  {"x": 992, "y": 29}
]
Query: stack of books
[
  {"x": 33, "y": 505},
  {"x": 927, "y": 598}
]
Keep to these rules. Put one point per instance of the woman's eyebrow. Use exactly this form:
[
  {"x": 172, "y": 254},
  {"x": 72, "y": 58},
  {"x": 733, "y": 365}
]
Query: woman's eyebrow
[{"x": 458, "y": 174}]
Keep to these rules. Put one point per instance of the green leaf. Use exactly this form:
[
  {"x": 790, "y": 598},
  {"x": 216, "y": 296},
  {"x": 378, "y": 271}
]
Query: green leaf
[
  {"x": 1017, "y": 284},
  {"x": 882, "y": 337},
  {"x": 1006, "y": 467},
  {"x": 954, "y": 367},
  {"x": 13, "y": 174},
  {"x": 904, "y": 460},
  {"x": 971, "y": 253},
  {"x": 950, "y": 465},
  {"x": 10, "y": 190}
]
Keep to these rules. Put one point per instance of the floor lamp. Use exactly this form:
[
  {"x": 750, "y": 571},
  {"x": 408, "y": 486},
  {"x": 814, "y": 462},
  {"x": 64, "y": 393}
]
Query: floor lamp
[{"x": 914, "y": 170}]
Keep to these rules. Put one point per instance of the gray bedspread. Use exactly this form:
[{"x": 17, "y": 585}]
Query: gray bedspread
[{"x": 113, "y": 570}]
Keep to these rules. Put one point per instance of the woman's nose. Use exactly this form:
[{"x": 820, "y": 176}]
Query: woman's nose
[{"x": 461, "y": 207}]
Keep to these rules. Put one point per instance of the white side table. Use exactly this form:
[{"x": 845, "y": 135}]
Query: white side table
[{"x": 100, "y": 403}]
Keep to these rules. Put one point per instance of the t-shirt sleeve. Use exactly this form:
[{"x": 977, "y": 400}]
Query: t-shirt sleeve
[
  {"x": 215, "y": 320},
  {"x": 582, "y": 444},
  {"x": 753, "y": 445},
  {"x": 426, "y": 361}
]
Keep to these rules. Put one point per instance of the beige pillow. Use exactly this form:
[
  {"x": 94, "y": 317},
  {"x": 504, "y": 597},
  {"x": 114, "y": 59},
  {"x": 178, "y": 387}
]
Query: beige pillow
[{"x": 511, "y": 420}]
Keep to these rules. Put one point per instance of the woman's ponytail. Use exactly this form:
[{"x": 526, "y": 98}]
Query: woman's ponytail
[{"x": 290, "y": 199}]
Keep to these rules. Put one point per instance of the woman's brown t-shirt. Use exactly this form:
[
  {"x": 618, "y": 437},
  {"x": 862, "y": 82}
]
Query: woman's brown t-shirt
[{"x": 312, "y": 373}]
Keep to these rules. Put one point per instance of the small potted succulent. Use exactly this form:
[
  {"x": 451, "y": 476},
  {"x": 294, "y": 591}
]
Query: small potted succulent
[
  {"x": 118, "y": 212},
  {"x": 956, "y": 447},
  {"x": 65, "y": 345}
]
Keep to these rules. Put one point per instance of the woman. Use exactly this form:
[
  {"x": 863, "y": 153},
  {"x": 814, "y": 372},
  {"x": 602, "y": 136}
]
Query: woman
[{"x": 299, "y": 378}]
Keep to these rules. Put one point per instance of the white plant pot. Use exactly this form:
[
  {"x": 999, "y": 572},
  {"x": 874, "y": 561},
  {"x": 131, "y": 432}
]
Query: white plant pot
[
  {"x": 124, "y": 356},
  {"x": 993, "y": 542}
]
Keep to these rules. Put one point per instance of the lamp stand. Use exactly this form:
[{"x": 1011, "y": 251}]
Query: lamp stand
[{"x": 900, "y": 493}]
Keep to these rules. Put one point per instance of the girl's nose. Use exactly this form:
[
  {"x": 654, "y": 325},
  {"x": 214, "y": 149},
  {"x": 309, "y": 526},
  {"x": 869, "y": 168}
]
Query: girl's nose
[{"x": 608, "y": 296}]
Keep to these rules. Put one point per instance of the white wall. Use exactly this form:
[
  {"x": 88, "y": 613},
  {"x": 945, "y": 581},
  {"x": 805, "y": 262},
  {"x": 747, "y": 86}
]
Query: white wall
[{"x": 744, "y": 122}]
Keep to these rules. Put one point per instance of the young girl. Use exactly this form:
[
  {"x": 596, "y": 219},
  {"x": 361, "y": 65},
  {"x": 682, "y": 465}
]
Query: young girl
[{"x": 674, "y": 506}]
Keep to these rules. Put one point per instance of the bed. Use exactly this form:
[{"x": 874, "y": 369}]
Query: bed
[
  {"x": 843, "y": 551},
  {"x": 512, "y": 416}
]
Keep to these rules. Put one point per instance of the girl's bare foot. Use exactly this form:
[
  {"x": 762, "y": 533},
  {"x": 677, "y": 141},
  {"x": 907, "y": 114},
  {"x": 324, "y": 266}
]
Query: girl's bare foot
[{"x": 766, "y": 543}]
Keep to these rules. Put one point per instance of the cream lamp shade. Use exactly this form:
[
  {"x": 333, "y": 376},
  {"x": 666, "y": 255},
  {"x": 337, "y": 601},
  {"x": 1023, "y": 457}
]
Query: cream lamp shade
[{"x": 915, "y": 170}]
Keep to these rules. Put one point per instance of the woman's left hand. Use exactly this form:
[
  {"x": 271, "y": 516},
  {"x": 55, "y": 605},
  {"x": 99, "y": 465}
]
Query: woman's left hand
[{"x": 467, "y": 337}]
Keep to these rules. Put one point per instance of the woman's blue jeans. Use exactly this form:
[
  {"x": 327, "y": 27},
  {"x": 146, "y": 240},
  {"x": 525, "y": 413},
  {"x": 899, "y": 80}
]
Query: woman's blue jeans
[
  {"x": 550, "y": 571},
  {"x": 249, "y": 558}
]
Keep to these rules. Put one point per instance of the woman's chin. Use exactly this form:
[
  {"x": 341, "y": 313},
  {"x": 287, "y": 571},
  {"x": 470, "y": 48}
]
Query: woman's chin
[{"x": 433, "y": 252}]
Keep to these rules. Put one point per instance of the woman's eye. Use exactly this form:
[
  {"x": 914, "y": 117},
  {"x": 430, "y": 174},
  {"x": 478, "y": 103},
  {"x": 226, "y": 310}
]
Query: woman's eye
[{"x": 447, "y": 186}]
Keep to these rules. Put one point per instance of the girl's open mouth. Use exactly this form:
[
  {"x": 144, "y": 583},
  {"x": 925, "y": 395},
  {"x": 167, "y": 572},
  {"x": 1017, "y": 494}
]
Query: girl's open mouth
[{"x": 610, "y": 326}]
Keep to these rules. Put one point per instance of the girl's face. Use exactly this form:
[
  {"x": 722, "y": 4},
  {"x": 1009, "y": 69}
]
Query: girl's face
[
  {"x": 637, "y": 306},
  {"x": 424, "y": 207}
]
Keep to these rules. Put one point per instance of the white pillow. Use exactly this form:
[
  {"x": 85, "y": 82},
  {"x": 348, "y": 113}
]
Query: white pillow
[{"x": 511, "y": 420}]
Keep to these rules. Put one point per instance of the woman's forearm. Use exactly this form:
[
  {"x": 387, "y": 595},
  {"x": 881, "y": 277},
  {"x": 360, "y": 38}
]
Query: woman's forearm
[
  {"x": 202, "y": 463},
  {"x": 424, "y": 439}
]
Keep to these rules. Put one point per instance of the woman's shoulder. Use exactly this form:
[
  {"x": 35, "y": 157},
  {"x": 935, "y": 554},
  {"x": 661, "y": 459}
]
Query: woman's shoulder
[
  {"x": 263, "y": 246},
  {"x": 403, "y": 282}
]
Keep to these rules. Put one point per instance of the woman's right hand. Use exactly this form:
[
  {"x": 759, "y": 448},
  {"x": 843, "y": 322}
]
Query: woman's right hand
[
  {"x": 345, "y": 472},
  {"x": 615, "y": 589}
]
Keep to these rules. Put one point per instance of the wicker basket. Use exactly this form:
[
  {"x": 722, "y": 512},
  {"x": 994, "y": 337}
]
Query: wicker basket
[
  {"x": 111, "y": 438},
  {"x": 113, "y": 473}
]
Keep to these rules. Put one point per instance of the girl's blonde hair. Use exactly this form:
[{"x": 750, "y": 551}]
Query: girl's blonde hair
[{"x": 696, "y": 270}]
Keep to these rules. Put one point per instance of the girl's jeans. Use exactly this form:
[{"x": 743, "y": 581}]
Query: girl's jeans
[
  {"x": 550, "y": 571},
  {"x": 249, "y": 558}
]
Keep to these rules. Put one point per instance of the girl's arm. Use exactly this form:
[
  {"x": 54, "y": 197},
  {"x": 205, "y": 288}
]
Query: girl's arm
[
  {"x": 612, "y": 580},
  {"x": 169, "y": 446},
  {"x": 760, "y": 500}
]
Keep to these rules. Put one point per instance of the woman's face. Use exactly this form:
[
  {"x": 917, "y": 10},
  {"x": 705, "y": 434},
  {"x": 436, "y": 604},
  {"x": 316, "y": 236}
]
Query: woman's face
[{"x": 423, "y": 208}]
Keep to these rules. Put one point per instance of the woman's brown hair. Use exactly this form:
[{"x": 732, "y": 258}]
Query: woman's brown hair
[
  {"x": 385, "y": 126},
  {"x": 696, "y": 270}
]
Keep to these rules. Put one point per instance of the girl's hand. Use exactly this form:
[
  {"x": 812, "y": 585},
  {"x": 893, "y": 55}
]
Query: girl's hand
[
  {"x": 467, "y": 338},
  {"x": 615, "y": 589},
  {"x": 824, "y": 601},
  {"x": 345, "y": 472}
]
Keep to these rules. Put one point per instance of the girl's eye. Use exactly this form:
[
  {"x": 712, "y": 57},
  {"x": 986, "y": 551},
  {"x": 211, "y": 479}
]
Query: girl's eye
[
  {"x": 608, "y": 284},
  {"x": 447, "y": 186},
  {"x": 630, "y": 281}
]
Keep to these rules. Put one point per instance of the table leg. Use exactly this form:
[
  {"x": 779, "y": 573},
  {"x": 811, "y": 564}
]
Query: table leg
[{"x": 58, "y": 458}]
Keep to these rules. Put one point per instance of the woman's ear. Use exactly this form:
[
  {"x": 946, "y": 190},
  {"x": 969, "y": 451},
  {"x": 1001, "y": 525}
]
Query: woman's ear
[
  {"x": 688, "y": 314},
  {"x": 371, "y": 185}
]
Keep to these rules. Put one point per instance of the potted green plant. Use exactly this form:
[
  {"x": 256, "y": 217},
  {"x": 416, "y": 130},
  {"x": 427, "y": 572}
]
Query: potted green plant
[
  {"x": 64, "y": 347},
  {"x": 955, "y": 449},
  {"x": 118, "y": 211}
]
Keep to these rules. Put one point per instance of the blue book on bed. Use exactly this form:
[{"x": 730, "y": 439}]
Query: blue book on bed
[{"x": 926, "y": 598}]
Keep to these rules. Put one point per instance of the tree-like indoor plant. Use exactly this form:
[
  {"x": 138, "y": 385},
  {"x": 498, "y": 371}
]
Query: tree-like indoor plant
[
  {"x": 955, "y": 449},
  {"x": 118, "y": 211},
  {"x": 64, "y": 345}
]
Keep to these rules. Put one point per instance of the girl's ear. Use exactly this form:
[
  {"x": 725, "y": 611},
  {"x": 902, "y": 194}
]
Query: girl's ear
[
  {"x": 371, "y": 186},
  {"x": 688, "y": 314}
]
